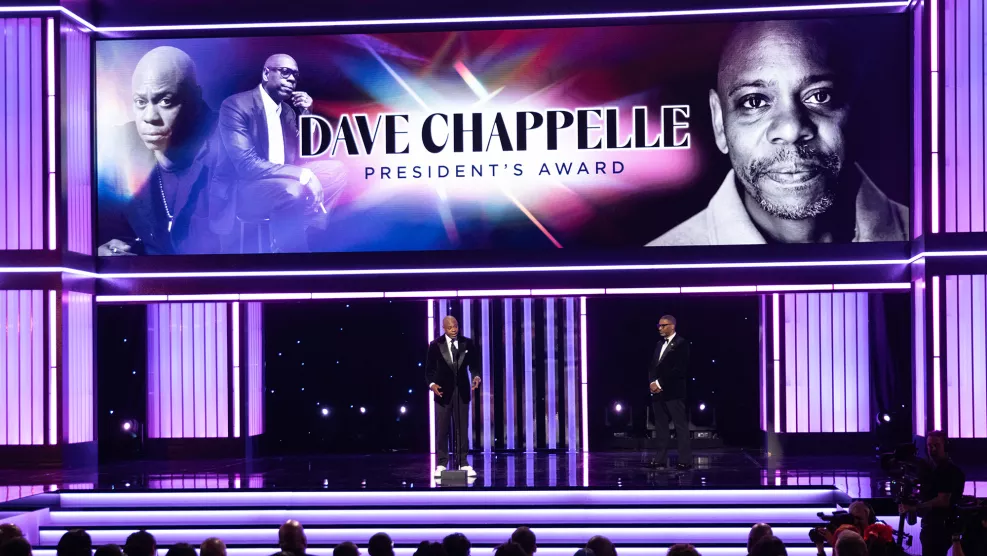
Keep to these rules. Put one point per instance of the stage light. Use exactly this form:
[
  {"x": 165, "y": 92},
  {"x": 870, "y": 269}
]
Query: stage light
[
  {"x": 325, "y": 411},
  {"x": 129, "y": 426},
  {"x": 702, "y": 406},
  {"x": 883, "y": 417},
  {"x": 363, "y": 409},
  {"x": 403, "y": 410},
  {"x": 617, "y": 407}
]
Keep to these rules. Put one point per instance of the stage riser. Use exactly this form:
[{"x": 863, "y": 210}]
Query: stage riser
[
  {"x": 462, "y": 516},
  {"x": 488, "y": 550}
]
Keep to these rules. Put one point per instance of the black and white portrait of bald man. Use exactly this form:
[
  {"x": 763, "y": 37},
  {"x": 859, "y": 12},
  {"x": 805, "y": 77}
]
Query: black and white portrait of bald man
[
  {"x": 163, "y": 159},
  {"x": 780, "y": 111}
]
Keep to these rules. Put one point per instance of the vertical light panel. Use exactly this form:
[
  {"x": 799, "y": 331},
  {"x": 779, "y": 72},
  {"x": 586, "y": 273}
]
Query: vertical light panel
[
  {"x": 918, "y": 119},
  {"x": 78, "y": 368},
  {"x": 53, "y": 338},
  {"x": 936, "y": 362},
  {"x": 934, "y": 114},
  {"x": 965, "y": 395},
  {"x": 584, "y": 383},
  {"x": 235, "y": 331},
  {"x": 429, "y": 334},
  {"x": 551, "y": 409},
  {"x": 776, "y": 357},
  {"x": 187, "y": 350},
  {"x": 529, "y": 380},
  {"x": 825, "y": 362},
  {"x": 467, "y": 330},
  {"x": 22, "y": 397},
  {"x": 964, "y": 116},
  {"x": 919, "y": 403},
  {"x": 77, "y": 140},
  {"x": 510, "y": 417},
  {"x": 486, "y": 382},
  {"x": 572, "y": 426},
  {"x": 255, "y": 368},
  {"x": 21, "y": 134},
  {"x": 763, "y": 368},
  {"x": 52, "y": 117}
]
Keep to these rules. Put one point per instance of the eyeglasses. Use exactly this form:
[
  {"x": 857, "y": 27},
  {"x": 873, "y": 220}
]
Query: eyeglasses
[
  {"x": 660, "y": 325},
  {"x": 285, "y": 72}
]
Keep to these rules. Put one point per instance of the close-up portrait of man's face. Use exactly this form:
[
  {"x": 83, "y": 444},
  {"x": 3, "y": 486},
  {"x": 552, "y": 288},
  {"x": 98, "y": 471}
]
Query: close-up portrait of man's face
[
  {"x": 163, "y": 86},
  {"x": 780, "y": 111}
]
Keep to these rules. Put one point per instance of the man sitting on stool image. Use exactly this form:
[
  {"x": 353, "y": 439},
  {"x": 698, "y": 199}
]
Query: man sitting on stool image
[
  {"x": 449, "y": 357},
  {"x": 667, "y": 373}
]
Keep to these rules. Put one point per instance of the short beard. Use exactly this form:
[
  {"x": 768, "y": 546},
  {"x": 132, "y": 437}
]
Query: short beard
[{"x": 828, "y": 164}]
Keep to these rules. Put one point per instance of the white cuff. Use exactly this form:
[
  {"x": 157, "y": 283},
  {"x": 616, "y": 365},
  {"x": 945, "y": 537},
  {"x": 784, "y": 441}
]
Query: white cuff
[
  {"x": 430, "y": 385},
  {"x": 656, "y": 384}
]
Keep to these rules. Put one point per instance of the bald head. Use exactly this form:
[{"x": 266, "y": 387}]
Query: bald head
[
  {"x": 166, "y": 96},
  {"x": 780, "y": 111},
  {"x": 212, "y": 547},
  {"x": 291, "y": 538},
  {"x": 451, "y": 326},
  {"x": 280, "y": 76}
]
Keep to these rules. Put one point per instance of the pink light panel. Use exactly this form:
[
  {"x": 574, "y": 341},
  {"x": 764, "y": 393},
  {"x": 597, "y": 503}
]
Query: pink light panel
[
  {"x": 255, "y": 369},
  {"x": 188, "y": 370},
  {"x": 21, "y": 134},
  {"x": 77, "y": 361},
  {"x": 77, "y": 138},
  {"x": 22, "y": 394},
  {"x": 965, "y": 356},
  {"x": 825, "y": 361}
]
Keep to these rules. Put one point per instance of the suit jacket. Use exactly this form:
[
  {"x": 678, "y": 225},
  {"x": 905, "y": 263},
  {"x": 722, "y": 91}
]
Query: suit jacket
[
  {"x": 141, "y": 220},
  {"x": 671, "y": 370},
  {"x": 243, "y": 133},
  {"x": 449, "y": 374}
]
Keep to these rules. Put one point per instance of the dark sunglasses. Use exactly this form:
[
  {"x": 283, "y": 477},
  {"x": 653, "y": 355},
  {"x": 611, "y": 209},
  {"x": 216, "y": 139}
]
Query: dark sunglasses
[{"x": 285, "y": 72}]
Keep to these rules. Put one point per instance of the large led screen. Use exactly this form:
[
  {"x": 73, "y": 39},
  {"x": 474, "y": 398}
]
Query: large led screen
[{"x": 609, "y": 137}]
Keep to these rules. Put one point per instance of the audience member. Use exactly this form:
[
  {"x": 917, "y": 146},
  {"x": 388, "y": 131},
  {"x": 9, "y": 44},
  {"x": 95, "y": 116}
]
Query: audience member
[
  {"x": 379, "y": 545},
  {"x": 16, "y": 547},
  {"x": 682, "y": 549},
  {"x": 75, "y": 543},
  {"x": 601, "y": 546},
  {"x": 456, "y": 544},
  {"x": 584, "y": 552},
  {"x": 109, "y": 550},
  {"x": 509, "y": 549},
  {"x": 212, "y": 547},
  {"x": 141, "y": 543},
  {"x": 426, "y": 548},
  {"x": 525, "y": 537},
  {"x": 849, "y": 543},
  {"x": 181, "y": 549},
  {"x": 758, "y": 532},
  {"x": 291, "y": 538},
  {"x": 346, "y": 549},
  {"x": 769, "y": 546},
  {"x": 9, "y": 531}
]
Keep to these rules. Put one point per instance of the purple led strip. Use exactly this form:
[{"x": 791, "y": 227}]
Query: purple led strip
[
  {"x": 53, "y": 302},
  {"x": 551, "y": 417},
  {"x": 235, "y": 356},
  {"x": 936, "y": 361},
  {"x": 52, "y": 124},
  {"x": 584, "y": 383},
  {"x": 429, "y": 334},
  {"x": 510, "y": 427},
  {"x": 934, "y": 112},
  {"x": 529, "y": 383},
  {"x": 468, "y": 332},
  {"x": 570, "y": 382},
  {"x": 487, "y": 380}
]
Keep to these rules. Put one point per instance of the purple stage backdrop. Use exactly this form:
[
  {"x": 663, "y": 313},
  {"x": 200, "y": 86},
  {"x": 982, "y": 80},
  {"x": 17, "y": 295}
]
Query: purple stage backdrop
[{"x": 588, "y": 137}]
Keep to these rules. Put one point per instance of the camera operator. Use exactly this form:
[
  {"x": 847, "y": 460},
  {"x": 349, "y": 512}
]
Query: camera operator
[
  {"x": 940, "y": 490},
  {"x": 859, "y": 515}
]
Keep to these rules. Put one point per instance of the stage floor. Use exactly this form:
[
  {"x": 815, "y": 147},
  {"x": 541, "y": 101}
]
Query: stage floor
[{"x": 857, "y": 476}]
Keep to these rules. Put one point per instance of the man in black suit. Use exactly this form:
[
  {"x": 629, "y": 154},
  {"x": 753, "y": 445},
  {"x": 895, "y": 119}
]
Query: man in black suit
[
  {"x": 162, "y": 162},
  {"x": 668, "y": 373},
  {"x": 449, "y": 357},
  {"x": 261, "y": 175}
]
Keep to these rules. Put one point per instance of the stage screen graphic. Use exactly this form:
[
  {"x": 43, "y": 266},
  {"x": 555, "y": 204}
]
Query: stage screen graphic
[{"x": 611, "y": 137}]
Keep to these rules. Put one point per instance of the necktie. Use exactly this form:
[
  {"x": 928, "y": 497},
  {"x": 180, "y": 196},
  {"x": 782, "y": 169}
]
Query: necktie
[{"x": 454, "y": 350}]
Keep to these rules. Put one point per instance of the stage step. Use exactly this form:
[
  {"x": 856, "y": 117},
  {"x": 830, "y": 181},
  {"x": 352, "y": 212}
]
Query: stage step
[{"x": 639, "y": 522}]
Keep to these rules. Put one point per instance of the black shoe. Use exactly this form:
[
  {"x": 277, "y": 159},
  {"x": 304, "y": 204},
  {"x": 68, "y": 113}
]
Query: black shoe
[
  {"x": 657, "y": 464},
  {"x": 683, "y": 466}
]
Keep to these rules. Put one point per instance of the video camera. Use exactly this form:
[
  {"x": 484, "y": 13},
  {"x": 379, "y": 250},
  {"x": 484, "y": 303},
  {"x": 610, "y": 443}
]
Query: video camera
[{"x": 833, "y": 522}]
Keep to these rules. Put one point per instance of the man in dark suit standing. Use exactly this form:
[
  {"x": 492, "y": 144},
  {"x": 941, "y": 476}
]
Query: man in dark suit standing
[
  {"x": 450, "y": 361},
  {"x": 261, "y": 175},
  {"x": 668, "y": 373}
]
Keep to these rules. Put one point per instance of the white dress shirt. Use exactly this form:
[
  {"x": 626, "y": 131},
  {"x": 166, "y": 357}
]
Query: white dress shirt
[
  {"x": 668, "y": 342},
  {"x": 275, "y": 133}
]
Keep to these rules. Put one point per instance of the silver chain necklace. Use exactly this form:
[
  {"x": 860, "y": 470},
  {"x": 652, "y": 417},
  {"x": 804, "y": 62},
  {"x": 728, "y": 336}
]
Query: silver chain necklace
[{"x": 171, "y": 217}]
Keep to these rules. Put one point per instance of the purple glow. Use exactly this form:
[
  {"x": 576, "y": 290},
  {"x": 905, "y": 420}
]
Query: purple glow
[
  {"x": 486, "y": 382},
  {"x": 570, "y": 380},
  {"x": 52, "y": 367},
  {"x": 235, "y": 339},
  {"x": 839, "y": 366},
  {"x": 952, "y": 357},
  {"x": 639, "y": 291},
  {"x": 442, "y": 293},
  {"x": 568, "y": 291},
  {"x": 584, "y": 383},
  {"x": 791, "y": 374},
  {"x": 936, "y": 368},
  {"x": 131, "y": 298},
  {"x": 529, "y": 395},
  {"x": 776, "y": 358},
  {"x": 198, "y": 297},
  {"x": 813, "y": 341},
  {"x": 920, "y": 403},
  {"x": 551, "y": 415},
  {"x": 795, "y": 288},
  {"x": 273, "y": 296},
  {"x": 477, "y": 549},
  {"x": 978, "y": 406},
  {"x": 79, "y": 369},
  {"x": 510, "y": 427},
  {"x": 255, "y": 369},
  {"x": 719, "y": 289},
  {"x": 77, "y": 138},
  {"x": 467, "y": 330},
  {"x": 493, "y": 293},
  {"x": 52, "y": 186},
  {"x": 348, "y": 295},
  {"x": 431, "y": 400}
]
